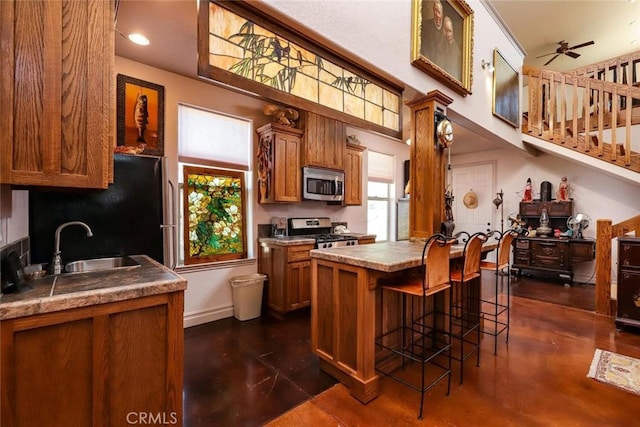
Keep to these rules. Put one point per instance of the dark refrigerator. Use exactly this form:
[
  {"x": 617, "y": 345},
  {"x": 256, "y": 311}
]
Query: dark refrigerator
[{"x": 135, "y": 215}]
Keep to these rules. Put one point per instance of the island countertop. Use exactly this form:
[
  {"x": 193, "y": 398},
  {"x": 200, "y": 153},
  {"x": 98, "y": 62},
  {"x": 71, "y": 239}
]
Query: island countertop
[
  {"x": 386, "y": 256},
  {"x": 65, "y": 291}
]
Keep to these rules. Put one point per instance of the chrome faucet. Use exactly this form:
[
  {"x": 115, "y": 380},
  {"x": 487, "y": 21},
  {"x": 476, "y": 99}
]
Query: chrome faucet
[{"x": 57, "y": 259}]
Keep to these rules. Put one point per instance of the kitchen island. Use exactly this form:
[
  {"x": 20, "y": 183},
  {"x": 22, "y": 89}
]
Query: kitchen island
[
  {"x": 95, "y": 348},
  {"x": 347, "y": 312}
]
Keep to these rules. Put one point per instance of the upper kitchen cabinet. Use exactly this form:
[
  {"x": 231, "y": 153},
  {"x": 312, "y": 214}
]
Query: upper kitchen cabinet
[
  {"x": 353, "y": 175},
  {"x": 323, "y": 144},
  {"x": 279, "y": 164},
  {"x": 56, "y": 93}
]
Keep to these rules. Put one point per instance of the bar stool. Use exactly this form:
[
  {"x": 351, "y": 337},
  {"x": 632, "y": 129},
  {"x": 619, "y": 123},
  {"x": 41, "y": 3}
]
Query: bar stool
[
  {"x": 497, "y": 313},
  {"x": 419, "y": 339},
  {"x": 465, "y": 317}
]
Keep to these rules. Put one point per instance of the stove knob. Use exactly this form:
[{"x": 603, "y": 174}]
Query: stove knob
[
  {"x": 330, "y": 245},
  {"x": 324, "y": 245}
]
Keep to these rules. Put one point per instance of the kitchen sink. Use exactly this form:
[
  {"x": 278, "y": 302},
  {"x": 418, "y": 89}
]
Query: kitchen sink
[{"x": 98, "y": 264}]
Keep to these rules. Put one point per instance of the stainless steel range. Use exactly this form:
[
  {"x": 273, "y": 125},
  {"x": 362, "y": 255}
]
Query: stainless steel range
[{"x": 320, "y": 230}]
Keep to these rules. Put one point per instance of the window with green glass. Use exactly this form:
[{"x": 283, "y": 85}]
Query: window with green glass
[{"x": 214, "y": 215}]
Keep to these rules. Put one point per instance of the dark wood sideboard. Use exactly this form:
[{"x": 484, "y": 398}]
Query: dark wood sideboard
[
  {"x": 628, "y": 289},
  {"x": 550, "y": 255}
]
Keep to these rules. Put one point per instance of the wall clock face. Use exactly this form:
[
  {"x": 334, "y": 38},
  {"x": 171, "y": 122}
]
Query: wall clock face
[{"x": 445, "y": 133}]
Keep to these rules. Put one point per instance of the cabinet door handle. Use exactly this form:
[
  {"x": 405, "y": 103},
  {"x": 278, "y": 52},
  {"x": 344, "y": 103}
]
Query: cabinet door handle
[{"x": 546, "y": 244}]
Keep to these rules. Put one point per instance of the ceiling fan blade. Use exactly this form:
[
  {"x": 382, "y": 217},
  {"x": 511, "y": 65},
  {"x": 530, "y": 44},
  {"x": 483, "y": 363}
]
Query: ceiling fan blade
[
  {"x": 582, "y": 45},
  {"x": 546, "y": 54},
  {"x": 572, "y": 54},
  {"x": 549, "y": 61}
]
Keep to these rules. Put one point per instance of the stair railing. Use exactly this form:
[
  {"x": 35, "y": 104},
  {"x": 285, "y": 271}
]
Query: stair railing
[
  {"x": 605, "y": 233},
  {"x": 621, "y": 70},
  {"x": 570, "y": 109}
]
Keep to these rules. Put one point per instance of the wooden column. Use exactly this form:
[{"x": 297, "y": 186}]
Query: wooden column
[{"x": 427, "y": 170}]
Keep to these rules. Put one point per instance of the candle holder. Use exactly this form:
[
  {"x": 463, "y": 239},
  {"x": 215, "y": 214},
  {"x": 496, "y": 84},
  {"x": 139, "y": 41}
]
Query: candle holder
[{"x": 498, "y": 201}]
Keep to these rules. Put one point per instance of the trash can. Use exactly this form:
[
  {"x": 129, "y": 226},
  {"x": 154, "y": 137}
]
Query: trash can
[{"x": 247, "y": 295}]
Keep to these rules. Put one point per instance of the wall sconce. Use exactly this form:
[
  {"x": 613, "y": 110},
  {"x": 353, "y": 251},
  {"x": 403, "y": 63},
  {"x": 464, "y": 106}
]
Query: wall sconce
[{"x": 488, "y": 66}]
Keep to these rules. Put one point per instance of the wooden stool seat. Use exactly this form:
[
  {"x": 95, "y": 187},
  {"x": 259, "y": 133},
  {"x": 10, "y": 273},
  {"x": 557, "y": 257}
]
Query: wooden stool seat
[
  {"x": 419, "y": 340},
  {"x": 496, "y": 314},
  {"x": 465, "y": 319}
]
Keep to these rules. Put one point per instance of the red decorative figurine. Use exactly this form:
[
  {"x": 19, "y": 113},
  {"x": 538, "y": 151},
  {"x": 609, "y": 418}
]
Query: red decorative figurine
[{"x": 527, "y": 195}]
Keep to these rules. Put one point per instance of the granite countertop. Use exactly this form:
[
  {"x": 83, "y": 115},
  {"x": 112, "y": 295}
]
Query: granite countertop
[
  {"x": 65, "y": 291},
  {"x": 288, "y": 240},
  {"x": 386, "y": 256},
  {"x": 303, "y": 240}
]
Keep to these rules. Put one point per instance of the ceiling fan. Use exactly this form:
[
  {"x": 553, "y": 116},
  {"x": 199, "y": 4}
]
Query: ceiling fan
[{"x": 564, "y": 49}]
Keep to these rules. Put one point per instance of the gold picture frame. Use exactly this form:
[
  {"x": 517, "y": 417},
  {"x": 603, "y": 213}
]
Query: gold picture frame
[
  {"x": 506, "y": 90},
  {"x": 443, "y": 51}
]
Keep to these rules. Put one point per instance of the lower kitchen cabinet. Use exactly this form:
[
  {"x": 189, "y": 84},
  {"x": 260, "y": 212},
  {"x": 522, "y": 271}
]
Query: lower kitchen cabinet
[
  {"x": 288, "y": 269},
  {"x": 628, "y": 289},
  {"x": 104, "y": 365}
]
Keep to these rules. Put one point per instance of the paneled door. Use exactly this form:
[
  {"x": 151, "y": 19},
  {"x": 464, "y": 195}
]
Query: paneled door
[{"x": 479, "y": 179}]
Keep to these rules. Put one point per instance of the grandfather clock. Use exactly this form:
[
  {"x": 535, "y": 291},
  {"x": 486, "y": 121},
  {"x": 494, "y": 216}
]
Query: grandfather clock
[{"x": 428, "y": 163}]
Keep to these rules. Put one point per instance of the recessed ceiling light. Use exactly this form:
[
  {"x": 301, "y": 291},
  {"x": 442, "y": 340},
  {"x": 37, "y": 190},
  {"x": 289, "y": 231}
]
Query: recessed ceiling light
[{"x": 138, "y": 38}]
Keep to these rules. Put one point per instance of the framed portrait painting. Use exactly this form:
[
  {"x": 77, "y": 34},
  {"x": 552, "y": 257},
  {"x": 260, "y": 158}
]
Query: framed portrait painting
[
  {"x": 442, "y": 41},
  {"x": 140, "y": 117},
  {"x": 506, "y": 90}
]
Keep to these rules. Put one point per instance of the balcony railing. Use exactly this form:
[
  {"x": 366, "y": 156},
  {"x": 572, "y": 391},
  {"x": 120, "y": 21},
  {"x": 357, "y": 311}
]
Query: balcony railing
[{"x": 576, "y": 112}]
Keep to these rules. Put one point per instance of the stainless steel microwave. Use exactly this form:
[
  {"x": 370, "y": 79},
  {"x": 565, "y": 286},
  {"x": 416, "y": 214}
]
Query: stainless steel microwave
[{"x": 322, "y": 184}]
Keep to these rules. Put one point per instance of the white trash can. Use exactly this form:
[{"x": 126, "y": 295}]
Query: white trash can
[{"x": 247, "y": 295}]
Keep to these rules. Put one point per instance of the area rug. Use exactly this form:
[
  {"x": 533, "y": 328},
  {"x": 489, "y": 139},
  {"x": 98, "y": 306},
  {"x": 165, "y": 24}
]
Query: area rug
[{"x": 617, "y": 370}]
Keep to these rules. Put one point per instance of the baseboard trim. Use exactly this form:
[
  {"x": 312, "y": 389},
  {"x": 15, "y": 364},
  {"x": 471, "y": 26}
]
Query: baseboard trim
[{"x": 195, "y": 318}]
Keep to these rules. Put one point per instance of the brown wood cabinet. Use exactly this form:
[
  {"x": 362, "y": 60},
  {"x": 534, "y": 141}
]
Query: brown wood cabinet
[
  {"x": 551, "y": 255},
  {"x": 353, "y": 175},
  {"x": 288, "y": 276},
  {"x": 56, "y": 93},
  {"x": 628, "y": 288},
  {"x": 558, "y": 213},
  {"x": 323, "y": 144},
  {"x": 95, "y": 366},
  {"x": 279, "y": 164},
  {"x": 366, "y": 240}
]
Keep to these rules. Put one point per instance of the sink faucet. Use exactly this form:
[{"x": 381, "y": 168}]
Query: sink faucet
[{"x": 57, "y": 259}]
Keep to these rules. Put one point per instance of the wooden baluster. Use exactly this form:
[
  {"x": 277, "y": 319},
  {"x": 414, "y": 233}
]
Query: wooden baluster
[
  {"x": 531, "y": 102},
  {"x": 627, "y": 144},
  {"x": 601, "y": 104},
  {"x": 614, "y": 123},
  {"x": 552, "y": 106},
  {"x": 563, "y": 109},
  {"x": 575, "y": 113},
  {"x": 587, "y": 116},
  {"x": 539, "y": 109}
]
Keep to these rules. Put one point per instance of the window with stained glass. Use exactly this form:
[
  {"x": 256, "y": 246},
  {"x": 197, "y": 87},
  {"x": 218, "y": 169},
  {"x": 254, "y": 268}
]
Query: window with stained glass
[{"x": 214, "y": 215}]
